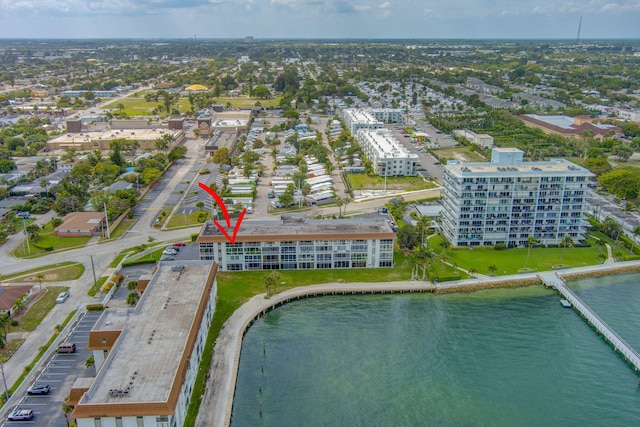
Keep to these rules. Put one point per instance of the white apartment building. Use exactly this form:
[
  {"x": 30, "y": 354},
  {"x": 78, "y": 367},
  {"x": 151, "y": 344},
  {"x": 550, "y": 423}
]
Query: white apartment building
[
  {"x": 387, "y": 115},
  {"x": 387, "y": 155},
  {"x": 356, "y": 119},
  {"x": 297, "y": 243},
  {"x": 147, "y": 358},
  {"x": 507, "y": 200}
]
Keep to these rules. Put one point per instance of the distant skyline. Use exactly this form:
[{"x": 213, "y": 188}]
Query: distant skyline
[{"x": 466, "y": 19}]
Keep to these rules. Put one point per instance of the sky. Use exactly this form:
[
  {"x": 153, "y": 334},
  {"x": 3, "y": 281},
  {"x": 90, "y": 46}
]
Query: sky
[{"x": 336, "y": 19}]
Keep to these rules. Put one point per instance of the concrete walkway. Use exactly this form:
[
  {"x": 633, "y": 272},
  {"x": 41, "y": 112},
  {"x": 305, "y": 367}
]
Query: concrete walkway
[{"x": 215, "y": 408}]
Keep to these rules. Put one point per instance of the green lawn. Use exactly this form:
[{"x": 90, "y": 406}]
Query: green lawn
[
  {"x": 122, "y": 227},
  {"x": 182, "y": 220},
  {"x": 510, "y": 261},
  {"x": 361, "y": 181},
  {"x": 72, "y": 271},
  {"x": 50, "y": 240},
  {"x": 36, "y": 270},
  {"x": 135, "y": 105},
  {"x": 38, "y": 311}
]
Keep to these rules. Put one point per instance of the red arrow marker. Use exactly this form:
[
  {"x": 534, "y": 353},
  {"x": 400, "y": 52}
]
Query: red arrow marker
[
  {"x": 220, "y": 202},
  {"x": 232, "y": 239},
  {"x": 217, "y": 198}
]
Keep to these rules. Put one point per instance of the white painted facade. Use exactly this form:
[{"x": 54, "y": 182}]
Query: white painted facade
[
  {"x": 508, "y": 200},
  {"x": 386, "y": 154}
]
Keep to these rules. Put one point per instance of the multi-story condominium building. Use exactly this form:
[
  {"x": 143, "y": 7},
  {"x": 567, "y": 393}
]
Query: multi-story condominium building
[
  {"x": 147, "y": 358},
  {"x": 387, "y": 115},
  {"x": 508, "y": 200},
  {"x": 297, "y": 243},
  {"x": 359, "y": 119},
  {"x": 386, "y": 154}
]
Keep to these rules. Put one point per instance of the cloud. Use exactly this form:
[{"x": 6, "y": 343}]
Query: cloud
[{"x": 384, "y": 5}]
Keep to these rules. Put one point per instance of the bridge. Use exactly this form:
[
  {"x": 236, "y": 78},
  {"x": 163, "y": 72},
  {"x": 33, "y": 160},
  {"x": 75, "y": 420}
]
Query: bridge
[{"x": 552, "y": 280}]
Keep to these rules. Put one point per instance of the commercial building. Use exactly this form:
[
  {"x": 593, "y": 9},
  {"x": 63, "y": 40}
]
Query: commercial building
[
  {"x": 508, "y": 200},
  {"x": 572, "y": 127},
  {"x": 147, "y": 358},
  {"x": 480, "y": 139},
  {"x": 386, "y": 154},
  {"x": 297, "y": 243}
]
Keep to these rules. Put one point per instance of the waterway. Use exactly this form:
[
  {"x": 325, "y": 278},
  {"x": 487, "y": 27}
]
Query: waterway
[{"x": 500, "y": 357}]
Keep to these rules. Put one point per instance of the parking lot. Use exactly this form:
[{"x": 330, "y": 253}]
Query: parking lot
[{"x": 60, "y": 372}]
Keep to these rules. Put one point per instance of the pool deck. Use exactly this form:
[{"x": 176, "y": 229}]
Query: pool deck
[{"x": 217, "y": 403}]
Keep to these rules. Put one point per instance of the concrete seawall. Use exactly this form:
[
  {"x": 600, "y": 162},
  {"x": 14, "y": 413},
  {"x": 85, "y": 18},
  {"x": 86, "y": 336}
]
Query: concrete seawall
[{"x": 217, "y": 404}]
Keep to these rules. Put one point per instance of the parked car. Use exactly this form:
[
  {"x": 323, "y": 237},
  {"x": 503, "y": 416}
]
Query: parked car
[
  {"x": 66, "y": 347},
  {"x": 21, "y": 415},
  {"x": 62, "y": 297},
  {"x": 38, "y": 388},
  {"x": 179, "y": 244},
  {"x": 170, "y": 251}
]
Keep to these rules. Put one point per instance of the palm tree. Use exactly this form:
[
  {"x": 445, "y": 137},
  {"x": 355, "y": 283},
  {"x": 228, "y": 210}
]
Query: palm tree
[
  {"x": 567, "y": 242},
  {"x": 132, "y": 298},
  {"x": 40, "y": 278},
  {"x": 423, "y": 223},
  {"x": 530, "y": 242},
  {"x": 473, "y": 271},
  {"x": 4, "y": 320},
  {"x": 412, "y": 259},
  {"x": 492, "y": 268}
]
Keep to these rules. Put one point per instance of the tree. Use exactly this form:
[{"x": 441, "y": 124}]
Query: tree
[
  {"x": 261, "y": 92},
  {"x": 286, "y": 199},
  {"x": 530, "y": 242},
  {"x": 473, "y": 271},
  {"x": 412, "y": 259},
  {"x": 90, "y": 362},
  {"x": 567, "y": 242},
  {"x": 4, "y": 321},
  {"x": 132, "y": 298},
  {"x": 492, "y": 269},
  {"x": 221, "y": 156},
  {"x": 164, "y": 142},
  {"x": 271, "y": 280},
  {"x": 32, "y": 231},
  {"x": 622, "y": 182},
  {"x": 423, "y": 223},
  {"x": 151, "y": 175},
  {"x": 40, "y": 278},
  {"x": 408, "y": 237}
]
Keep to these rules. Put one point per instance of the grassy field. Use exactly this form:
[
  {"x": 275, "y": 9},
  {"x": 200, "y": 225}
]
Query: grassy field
[
  {"x": 361, "y": 181},
  {"x": 49, "y": 240},
  {"x": 510, "y": 261},
  {"x": 122, "y": 227},
  {"x": 185, "y": 220},
  {"x": 34, "y": 315},
  {"x": 459, "y": 153},
  {"x": 36, "y": 270},
  {"x": 55, "y": 274},
  {"x": 135, "y": 105}
]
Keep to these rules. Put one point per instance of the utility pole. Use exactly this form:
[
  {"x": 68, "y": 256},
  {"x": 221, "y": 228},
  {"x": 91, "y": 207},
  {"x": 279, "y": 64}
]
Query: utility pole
[
  {"x": 106, "y": 219},
  {"x": 4, "y": 381},
  {"x": 95, "y": 283},
  {"x": 24, "y": 227}
]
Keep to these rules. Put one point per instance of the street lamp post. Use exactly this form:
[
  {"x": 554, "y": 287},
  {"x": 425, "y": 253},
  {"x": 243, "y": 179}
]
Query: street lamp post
[{"x": 95, "y": 284}]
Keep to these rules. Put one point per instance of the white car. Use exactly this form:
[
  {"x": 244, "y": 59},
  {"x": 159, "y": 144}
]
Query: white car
[
  {"x": 170, "y": 251},
  {"x": 62, "y": 297},
  {"x": 21, "y": 415}
]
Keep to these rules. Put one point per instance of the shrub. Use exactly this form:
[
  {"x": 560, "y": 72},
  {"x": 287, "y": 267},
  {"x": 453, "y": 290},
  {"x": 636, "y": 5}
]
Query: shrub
[
  {"x": 95, "y": 307},
  {"x": 117, "y": 279}
]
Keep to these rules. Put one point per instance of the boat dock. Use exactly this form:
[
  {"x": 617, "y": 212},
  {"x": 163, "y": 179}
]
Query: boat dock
[{"x": 552, "y": 280}]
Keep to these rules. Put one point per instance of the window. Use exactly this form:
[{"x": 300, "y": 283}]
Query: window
[
  {"x": 118, "y": 421},
  {"x": 162, "y": 421},
  {"x": 97, "y": 422}
]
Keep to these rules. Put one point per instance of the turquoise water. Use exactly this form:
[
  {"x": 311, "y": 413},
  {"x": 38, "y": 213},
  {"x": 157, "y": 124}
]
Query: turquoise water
[{"x": 507, "y": 357}]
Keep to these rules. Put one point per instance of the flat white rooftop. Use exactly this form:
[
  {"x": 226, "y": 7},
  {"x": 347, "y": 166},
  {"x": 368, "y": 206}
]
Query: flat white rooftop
[{"x": 145, "y": 358}]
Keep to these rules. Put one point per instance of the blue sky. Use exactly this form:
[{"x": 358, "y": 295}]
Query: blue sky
[{"x": 319, "y": 18}]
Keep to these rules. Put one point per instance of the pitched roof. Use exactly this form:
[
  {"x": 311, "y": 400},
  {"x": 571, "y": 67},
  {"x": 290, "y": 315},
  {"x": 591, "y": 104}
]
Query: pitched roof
[{"x": 9, "y": 294}]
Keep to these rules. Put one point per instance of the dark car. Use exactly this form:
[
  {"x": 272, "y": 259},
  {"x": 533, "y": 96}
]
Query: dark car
[
  {"x": 39, "y": 389},
  {"x": 21, "y": 415}
]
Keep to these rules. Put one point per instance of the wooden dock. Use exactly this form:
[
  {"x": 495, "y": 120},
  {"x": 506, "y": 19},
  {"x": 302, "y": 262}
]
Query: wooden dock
[{"x": 619, "y": 344}]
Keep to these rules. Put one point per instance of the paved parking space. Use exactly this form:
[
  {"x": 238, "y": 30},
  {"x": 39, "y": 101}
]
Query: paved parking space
[{"x": 60, "y": 372}]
